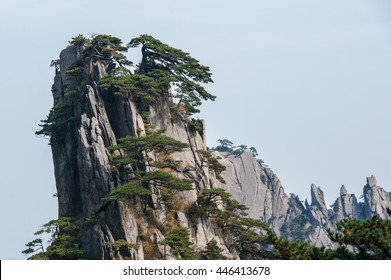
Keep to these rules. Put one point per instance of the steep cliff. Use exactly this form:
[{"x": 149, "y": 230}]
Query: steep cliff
[
  {"x": 255, "y": 185},
  {"x": 86, "y": 120}
]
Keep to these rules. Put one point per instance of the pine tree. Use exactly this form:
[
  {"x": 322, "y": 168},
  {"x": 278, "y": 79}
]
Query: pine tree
[
  {"x": 371, "y": 238},
  {"x": 179, "y": 242},
  {"x": 213, "y": 251},
  {"x": 143, "y": 153},
  {"x": 176, "y": 67},
  {"x": 225, "y": 145},
  {"x": 65, "y": 235}
]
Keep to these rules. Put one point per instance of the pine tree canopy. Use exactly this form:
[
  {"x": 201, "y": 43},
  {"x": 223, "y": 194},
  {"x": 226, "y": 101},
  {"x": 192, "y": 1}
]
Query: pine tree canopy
[{"x": 179, "y": 68}]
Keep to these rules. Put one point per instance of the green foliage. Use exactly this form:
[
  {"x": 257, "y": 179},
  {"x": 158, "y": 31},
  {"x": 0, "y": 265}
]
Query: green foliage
[
  {"x": 121, "y": 243},
  {"x": 106, "y": 48},
  {"x": 217, "y": 203},
  {"x": 244, "y": 233},
  {"x": 162, "y": 66},
  {"x": 168, "y": 180},
  {"x": 157, "y": 55},
  {"x": 157, "y": 178},
  {"x": 34, "y": 246},
  {"x": 121, "y": 81},
  {"x": 253, "y": 151},
  {"x": 176, "y": 67},
  {"x": 57, "y": 122},
  {"x": 297, "y": 250},
  {"x": 92, "y": 220},
  {"x": 371, "y": 238},
  {"x": 127, "y": 190},
  {"x": 179, "y": 242},
  {"x": 63, "y": 244},
  {"x": 121, "y": 247},
  {"x": 247, "y": 239},
  {"x": 213, "y": 251},
  {"x": 137, "y": 148},
  {"x": 240, "y": 150},
  {"x": 196, "y": 125},
  {"x": 210, "y": 202},
  {"x": 143, "y": 89},
  {"x": 55, "y": 63},
  {"x": 79, "y": 40},
  {"x": 76, "y": 69},
  {"x": 225, "y": 145},
  {"x": 137, "y": 151},
  {"x": 213, "y": 164}
]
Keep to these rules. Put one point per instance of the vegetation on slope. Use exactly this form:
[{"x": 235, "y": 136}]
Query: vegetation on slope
[
  {"x": 164, "y": 70},
  {"x": 145, "y": 165}
]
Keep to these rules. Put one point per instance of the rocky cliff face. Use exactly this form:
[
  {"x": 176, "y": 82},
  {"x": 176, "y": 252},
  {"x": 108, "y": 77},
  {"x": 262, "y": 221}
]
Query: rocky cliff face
[
  {"x": 84, "y": 175},
  {"x": 261, "y": 191}
]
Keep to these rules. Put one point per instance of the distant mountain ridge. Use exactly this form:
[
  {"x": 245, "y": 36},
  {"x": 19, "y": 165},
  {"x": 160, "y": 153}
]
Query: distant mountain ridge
[{"x": 259, "y": 188}]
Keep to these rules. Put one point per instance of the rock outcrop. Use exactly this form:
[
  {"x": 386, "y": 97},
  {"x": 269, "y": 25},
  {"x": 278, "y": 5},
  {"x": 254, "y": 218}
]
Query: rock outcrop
[
  {"x": 97, "y": 119},
  {"x": 255, "y": 185},
  {"x": 376, "y": 199},
  {"x": 347, "y": 206}
]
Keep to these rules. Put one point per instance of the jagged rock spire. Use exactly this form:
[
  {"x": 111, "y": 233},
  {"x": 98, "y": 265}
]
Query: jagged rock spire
[{"x": 261, "y": 190}]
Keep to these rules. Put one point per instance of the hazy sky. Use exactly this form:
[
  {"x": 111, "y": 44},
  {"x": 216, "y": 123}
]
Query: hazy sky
[{"x": 306, "y": 82}]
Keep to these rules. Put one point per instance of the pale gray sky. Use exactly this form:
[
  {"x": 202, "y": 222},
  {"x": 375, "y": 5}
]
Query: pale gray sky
[{"x": 306, "y": 82}]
